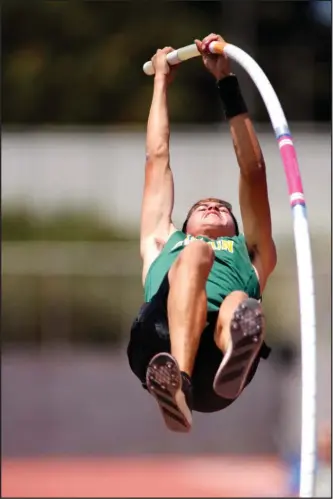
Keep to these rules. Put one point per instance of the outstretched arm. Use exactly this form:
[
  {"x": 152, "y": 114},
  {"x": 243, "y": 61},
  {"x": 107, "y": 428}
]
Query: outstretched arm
[
  {"x": 158, "y": 196},
  {"x": 253, "y": 194}
]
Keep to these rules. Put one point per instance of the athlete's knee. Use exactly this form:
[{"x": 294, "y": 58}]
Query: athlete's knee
[
  {"x": 227, "y": 310},
  {"x": 233, "y": 299},
  {"x": 197, "y": 254},
  {"x": 229, "y": 305}
]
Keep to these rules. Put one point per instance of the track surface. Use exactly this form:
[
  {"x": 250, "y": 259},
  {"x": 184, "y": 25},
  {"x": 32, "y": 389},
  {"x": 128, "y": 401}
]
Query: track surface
[{"x": 143, "y": 477}]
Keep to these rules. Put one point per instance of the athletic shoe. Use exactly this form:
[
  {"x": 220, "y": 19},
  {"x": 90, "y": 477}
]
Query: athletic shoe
[
  {"x": 246, "y": 339},
  {"x": 172, "y": 391}
]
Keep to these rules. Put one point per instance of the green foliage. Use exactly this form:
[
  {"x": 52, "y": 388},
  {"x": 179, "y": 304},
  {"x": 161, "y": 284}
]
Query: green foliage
[
  {"x": 20, "y": 224},
  {"x": 81, "y": 62},
  {"x": 38, "y": 310}
]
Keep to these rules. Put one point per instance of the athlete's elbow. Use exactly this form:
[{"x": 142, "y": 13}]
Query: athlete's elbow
[
  {"x": 157, "y": 162},
  {"x": 252, "y": 171},
  {"x": 157, "y": 152}
]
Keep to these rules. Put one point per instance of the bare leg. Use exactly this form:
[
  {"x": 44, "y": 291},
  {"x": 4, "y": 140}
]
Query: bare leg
[
  {"x": 187, "y": 302},
  {"x": 187, "y": 313},
  {"x": 239, "y": 334},
  {"x": 227, "y": 310}
]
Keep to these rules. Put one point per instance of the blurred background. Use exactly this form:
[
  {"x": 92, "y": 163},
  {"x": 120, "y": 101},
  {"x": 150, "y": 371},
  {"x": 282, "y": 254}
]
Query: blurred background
[{"x": 75, "y": 421}]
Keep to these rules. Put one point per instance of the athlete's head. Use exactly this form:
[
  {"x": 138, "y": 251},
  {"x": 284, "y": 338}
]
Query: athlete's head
[{"x": 211, "y": 217}]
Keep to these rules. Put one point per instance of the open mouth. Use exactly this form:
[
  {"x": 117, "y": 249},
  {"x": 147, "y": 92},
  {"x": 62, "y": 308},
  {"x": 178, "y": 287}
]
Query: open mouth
[{"x": 212, "y": 213}]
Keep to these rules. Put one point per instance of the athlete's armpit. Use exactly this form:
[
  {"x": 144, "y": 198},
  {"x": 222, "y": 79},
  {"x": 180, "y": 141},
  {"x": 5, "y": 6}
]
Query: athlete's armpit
[{"x": 256, "y": 218}]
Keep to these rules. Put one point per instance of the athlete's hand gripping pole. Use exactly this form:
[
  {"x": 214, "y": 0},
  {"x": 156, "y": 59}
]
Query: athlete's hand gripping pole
[{"x": 185, "y": 53}]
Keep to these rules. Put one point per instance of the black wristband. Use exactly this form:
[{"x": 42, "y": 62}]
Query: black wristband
[{"x": 231, "y": 96}]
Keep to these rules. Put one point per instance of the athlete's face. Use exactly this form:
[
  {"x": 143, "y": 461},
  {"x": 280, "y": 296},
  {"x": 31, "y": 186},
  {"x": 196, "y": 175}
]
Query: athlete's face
[{"x": 211, "y": 219}]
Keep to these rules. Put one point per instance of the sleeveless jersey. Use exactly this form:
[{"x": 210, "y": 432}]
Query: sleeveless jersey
[{"x": 231, "y": 271}]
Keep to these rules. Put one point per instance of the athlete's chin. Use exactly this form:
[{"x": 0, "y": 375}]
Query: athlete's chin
[
  {"x": 213, "y": 230},
  {"x": 215, "y": 223}
]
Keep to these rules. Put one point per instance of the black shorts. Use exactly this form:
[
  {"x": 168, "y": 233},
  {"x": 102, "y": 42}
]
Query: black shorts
[{"x": 150, "y": 335}]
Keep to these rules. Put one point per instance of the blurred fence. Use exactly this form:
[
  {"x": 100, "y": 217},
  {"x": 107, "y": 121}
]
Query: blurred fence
[
  {"x": 71, "y": 292},
  {"x": 90, "y": 292}
]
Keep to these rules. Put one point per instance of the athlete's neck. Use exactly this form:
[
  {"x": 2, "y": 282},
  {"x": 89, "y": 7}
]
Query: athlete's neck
[{"x": 211, "y": 233}]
